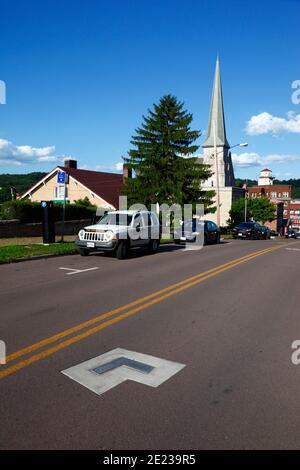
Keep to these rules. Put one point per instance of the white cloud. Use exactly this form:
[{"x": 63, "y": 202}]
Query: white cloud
[
  {"x": 246, "y": 160},
  {"x": 265, "y": 123},
  {"x": 115, "y": 167},
  {"x": 119, "y": 166},
  {"x": 11, "y": 154}
]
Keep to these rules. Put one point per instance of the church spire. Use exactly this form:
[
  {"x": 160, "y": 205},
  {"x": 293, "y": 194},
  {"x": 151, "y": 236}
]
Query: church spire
[{"x": 216, "y": 114}]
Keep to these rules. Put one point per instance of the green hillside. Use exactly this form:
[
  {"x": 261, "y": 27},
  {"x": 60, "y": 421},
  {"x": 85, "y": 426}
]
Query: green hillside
[
  {"x": 23, "y": 182},
  {"x": 20, "y": 182}
]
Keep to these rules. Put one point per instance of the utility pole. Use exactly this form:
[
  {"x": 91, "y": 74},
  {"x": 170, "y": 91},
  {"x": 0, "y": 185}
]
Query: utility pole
[{"x": 246, "y": 200}]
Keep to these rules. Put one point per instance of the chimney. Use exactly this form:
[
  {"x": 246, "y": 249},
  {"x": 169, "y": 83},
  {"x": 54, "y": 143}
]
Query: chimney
[
  {"x": 70, "y": 163},
  {"x": 127, "y": 172}
]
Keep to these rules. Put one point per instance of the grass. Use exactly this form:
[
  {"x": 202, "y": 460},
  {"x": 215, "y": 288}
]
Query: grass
[
  {"x": 15, "y": 252},
  {"x": 25, "y": 248},
  {"x": 31, "y": 240}
]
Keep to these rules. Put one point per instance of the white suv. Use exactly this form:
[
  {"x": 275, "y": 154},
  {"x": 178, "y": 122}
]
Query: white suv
[{"x": 119, "y": 231}]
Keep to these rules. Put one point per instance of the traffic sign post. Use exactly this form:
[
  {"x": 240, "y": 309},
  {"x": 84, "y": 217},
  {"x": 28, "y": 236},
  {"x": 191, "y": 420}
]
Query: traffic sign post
[{"x": 62, "y": 177}]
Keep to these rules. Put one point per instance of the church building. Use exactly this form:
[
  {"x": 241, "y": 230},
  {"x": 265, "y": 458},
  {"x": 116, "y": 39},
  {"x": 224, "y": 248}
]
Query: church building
[{"x": 216, "y": 153}]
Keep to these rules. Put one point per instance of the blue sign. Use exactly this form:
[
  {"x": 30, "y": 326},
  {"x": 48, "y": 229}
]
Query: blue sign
[
  {"x": 44, "y": 203},
  {"x": 62, "y": 177}
]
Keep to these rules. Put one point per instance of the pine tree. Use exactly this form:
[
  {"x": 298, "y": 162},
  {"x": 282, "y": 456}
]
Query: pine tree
[{"x": 160, "y": 159}]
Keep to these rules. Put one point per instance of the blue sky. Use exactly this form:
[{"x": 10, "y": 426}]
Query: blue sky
[{"x": 79, "y": 76}]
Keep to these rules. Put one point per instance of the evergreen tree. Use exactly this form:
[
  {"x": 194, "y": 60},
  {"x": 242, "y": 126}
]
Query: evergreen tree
[{"x": 162, "y": 169}]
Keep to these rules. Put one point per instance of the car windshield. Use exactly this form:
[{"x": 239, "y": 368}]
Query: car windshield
[
  {"x": 246, "y": 225},
  {"x": 116, "y": 219}
]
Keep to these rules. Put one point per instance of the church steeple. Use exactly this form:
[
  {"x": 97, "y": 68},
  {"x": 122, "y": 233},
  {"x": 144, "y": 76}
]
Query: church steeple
[{"x": 216, "y": 114}]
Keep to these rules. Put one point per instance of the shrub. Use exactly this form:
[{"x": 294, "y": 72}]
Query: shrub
[
  {"x": 25, "y": 211},
  {"x": 30, "y": 212}
]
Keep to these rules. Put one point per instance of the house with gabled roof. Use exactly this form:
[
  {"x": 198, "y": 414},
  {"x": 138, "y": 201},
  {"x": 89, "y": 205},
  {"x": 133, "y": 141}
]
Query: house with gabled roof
[{"x": 101, "y": 188}]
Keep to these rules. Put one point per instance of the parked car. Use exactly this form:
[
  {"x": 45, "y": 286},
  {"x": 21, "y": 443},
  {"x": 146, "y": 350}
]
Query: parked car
[
  {"x": 293, "y": 234},
  {"x": 120, "y": 231},
  {"x": 250, "y": 230},
  {"x": 290, "y": 233},
  {"x": 190, "y": 229},
  {"x": 266, "y": 233}
]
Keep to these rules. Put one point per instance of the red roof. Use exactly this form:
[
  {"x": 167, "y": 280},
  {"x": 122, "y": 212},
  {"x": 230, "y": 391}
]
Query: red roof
[{"x": 108, "y": 186}]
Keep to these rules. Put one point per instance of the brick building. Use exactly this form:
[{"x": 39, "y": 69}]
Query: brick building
[
  {"x": 292, "y": 214},
  {"x": 279, "y": 194}
]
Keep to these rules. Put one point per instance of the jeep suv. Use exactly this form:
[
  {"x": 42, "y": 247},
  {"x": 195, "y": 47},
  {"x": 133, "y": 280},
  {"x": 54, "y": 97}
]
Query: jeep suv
[{"x": 119, "y": 231}]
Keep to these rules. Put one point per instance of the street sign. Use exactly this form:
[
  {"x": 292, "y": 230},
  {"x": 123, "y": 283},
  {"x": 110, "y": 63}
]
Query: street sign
[
  {"x": 62, "y": 177},
  {"x": 104, "y": 372}
]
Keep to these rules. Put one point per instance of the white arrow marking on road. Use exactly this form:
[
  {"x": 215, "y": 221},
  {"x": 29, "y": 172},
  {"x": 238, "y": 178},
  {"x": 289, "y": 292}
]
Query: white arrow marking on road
[
  {"x": 104, "y": 372},
  {"x": 78, "y": 271}
]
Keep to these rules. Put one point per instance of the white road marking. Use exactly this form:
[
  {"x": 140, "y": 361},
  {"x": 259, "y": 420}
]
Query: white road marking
[
  {"x": 78, "y": 271},
  {"x": 293, "y": 249},
  {"x": 156, "y": 370}
]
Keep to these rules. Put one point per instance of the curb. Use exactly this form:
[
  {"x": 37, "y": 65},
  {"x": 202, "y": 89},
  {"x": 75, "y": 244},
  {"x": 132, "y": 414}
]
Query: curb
[{"x": 34, "y": 258}]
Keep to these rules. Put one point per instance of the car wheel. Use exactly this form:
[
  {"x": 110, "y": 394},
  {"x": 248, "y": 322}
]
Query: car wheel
[
  {"x": 122, "y": 250},
  {"x": 153, "y": 246},
  {"x": 218, "y": 239},
  {"x": 83, "y": 252},
  {"x": 205, "y": 239},
  {"x": 177, "y": 242}
]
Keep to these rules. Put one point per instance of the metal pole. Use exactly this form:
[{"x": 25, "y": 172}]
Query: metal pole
[
  {"x": 217, "y": 174},
  {"x": 246, "y": 201},
  {"x": 64, "y": 212}
]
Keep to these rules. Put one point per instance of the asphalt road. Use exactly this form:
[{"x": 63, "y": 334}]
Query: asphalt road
[{"x": 229, "y": 313}]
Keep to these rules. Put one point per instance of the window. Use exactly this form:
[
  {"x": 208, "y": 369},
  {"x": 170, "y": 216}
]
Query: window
[
  {"x": 116, "y": 219},
  {"x": 273, "y": 194},
  {"x": 292, "y": 211},
  {"x": 137, "y": 220},
  {"x": 146, "y": 219},
  {"x": 285, "y": 194},
  {"x": 154, "y": 220}
]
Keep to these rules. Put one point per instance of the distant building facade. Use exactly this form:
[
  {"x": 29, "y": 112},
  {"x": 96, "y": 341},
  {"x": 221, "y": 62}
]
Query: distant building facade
[{"x": 288, "y": 210}]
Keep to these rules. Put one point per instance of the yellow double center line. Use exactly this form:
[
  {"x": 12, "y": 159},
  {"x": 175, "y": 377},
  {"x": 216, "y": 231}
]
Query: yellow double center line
[{"x": 118, "y": 314}]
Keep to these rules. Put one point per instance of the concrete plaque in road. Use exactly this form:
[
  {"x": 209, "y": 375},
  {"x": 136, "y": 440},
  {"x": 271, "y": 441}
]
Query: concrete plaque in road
[{"x": 104, "y": 372}]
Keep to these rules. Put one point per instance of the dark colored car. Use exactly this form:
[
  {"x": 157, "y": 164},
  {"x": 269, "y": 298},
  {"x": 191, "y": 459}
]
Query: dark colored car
[
  {"x": 290, "y": 234},
  {"x": 250, "y": 230},
  {"x": 297, "y": 235},
  {"x": 266, "y": 233},
  {"x": 191, "y": 228}
]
